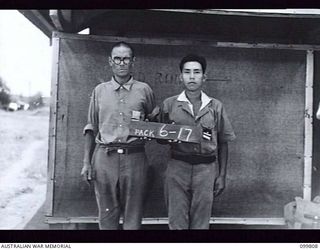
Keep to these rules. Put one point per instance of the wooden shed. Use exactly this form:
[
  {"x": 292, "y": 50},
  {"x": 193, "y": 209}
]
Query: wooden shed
[{"x": 263, "y": 65}]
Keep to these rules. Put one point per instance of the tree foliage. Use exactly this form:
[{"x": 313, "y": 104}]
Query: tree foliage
[{"x": 4, "y": 93}]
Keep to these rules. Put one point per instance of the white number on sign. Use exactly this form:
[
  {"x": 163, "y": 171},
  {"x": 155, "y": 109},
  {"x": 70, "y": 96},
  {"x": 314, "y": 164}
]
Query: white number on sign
[
  {"x": 182, "y": 130},
  {"x": 163, "y": 132},
  {"x": 189, "y": 133}
]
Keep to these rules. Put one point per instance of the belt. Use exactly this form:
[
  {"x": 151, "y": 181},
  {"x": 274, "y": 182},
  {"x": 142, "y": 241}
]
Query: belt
[
  {"x": 194, "y": 159},
  {"x": 122, "y": 150}
]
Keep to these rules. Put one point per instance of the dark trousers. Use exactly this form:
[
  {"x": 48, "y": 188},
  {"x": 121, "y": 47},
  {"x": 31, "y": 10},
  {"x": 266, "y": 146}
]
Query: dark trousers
[
  {"x": 189, "y": 194},
  {"x": 119, "y": 187}
]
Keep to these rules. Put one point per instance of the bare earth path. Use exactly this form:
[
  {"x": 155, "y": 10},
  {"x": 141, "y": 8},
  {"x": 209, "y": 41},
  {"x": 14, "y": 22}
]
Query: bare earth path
[{"x": 23, "y": 163}]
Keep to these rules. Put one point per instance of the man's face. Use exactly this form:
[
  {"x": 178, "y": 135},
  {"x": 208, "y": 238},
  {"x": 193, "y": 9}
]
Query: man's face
[
  {"x": 192, "y": 76},
  {"x": 121, "y": 61}
]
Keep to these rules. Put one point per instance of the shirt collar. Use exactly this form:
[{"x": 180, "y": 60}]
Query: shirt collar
[
  {"x": 126, "y": 85},
  {"x": 183, "y": 98},
  {"x": 205, "y": 100}
]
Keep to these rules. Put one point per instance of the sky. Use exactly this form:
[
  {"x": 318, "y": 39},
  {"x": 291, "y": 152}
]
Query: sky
[{"x": 25, "y": 55}]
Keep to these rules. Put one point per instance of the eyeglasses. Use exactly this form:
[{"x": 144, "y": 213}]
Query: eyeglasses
[{"x": 118, "y": 60}]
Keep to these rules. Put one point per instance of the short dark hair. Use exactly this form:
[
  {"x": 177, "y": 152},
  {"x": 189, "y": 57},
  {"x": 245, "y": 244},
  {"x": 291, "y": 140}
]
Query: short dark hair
[
  {"x": 194, "y": 58},
  {"x": 122, "y": 44}
]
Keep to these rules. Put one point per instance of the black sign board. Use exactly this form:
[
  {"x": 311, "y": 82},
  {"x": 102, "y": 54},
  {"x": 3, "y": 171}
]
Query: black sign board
[{"x": 164, "y": 131}]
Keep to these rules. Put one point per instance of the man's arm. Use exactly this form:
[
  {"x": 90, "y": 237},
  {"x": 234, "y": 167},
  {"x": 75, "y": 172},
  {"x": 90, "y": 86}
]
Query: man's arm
[
  {"x": 89, "y": 144},
  {"x": 89, "y": 132},
  {"x": 223, "y": 161},
  {"x": 150, "y": 104},
  {"x": 163, "y": 117}
]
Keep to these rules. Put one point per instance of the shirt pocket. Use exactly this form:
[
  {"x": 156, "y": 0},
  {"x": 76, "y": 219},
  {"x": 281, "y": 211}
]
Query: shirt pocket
[
  {"x": 209, "y": 120},
  {"x": 135, "y": 107},
  {"x": 178, "y": 116}
]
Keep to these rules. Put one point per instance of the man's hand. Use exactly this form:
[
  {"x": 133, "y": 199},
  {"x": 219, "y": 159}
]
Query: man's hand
[
  {"x": 144, "y": 137},
  {"x": 154, "y": 114},
  {"x": 174, "y": 141},
  {"x": 87, "y": 172},
  {"x": 219, "y": 185}
]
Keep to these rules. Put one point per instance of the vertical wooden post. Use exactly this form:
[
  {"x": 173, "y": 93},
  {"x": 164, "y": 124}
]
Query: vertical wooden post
[
  {"x": 308, "y": 126},
  {"x": 52, "y": 125}
]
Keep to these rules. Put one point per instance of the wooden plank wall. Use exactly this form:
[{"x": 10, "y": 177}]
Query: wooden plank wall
[
  {"x": 263, "y": 91},
  {"x": 316, "y": 129}
]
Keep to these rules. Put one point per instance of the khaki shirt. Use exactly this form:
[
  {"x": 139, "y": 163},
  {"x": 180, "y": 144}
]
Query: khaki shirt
[
  {"x": 112, "y": 106},
  {"x": 211, "y": 117}
]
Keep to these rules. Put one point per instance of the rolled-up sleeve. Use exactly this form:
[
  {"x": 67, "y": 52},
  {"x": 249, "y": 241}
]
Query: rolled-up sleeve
[
  {"x": 163, "y": 117},
  {"x": 164, "y": 113},
  {"x": 225, "y": 130},
  {"x": 92, "y": 122},
  {"x": 150, "y": 103}
]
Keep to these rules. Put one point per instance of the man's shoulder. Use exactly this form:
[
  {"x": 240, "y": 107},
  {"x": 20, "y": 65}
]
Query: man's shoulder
[
  {"x": 215, "y": 101},
  {"x": 102, "y": 85},
  {"x": 216, "y": 105},
  {"x": 171, "y": 99},
  {"x": 140, "y": 84}
]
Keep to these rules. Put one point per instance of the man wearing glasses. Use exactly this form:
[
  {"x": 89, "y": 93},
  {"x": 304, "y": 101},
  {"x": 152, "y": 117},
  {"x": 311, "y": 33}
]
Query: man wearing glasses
[{"x": 117, "y": 163}]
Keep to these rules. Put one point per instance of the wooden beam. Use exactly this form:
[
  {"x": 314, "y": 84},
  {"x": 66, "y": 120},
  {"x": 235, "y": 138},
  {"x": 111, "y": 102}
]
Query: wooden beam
[
  {"x": 308, "y": 125},
  {"x": 188, "y": 42},
  {"x": 66, "y": 15},
  {"x": 82, "y": 19},
  {"x": 66, "y": 19},
  {"x": 55, "y": 18},
  {"x": 255, "y": 13},
  {"x": 73, "y": 21},
  {"x": 36, "y": 18},
  {"x": 164, "y": 220},
  {"x": 268, "y": 46},
  {"x": 41, "y": 18}
]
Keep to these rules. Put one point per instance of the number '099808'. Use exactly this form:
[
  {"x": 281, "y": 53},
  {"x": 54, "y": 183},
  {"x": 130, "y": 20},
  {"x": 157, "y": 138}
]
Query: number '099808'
[{"x": 308, "y": 246}]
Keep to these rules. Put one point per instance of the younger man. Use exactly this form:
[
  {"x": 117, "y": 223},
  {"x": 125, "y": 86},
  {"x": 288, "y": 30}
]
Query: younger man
[{"x": 196, "y": 172}]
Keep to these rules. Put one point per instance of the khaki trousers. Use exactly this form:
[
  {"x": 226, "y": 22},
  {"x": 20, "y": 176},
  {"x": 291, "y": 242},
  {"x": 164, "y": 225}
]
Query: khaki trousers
[
  {"x": 189, "y": 194},
  {"x": 119, "y": 187}
]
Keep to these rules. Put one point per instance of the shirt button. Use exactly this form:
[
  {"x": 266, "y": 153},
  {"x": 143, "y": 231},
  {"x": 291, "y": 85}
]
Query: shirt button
[
  {"x": 121, "y": 87},
  {"x": 120, "y": 125},
  {"x": 121, "y": 113}
]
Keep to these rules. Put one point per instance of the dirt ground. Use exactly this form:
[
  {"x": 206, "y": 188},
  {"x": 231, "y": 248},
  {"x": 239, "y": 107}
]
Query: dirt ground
[{"x": 23, "y": 165}]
